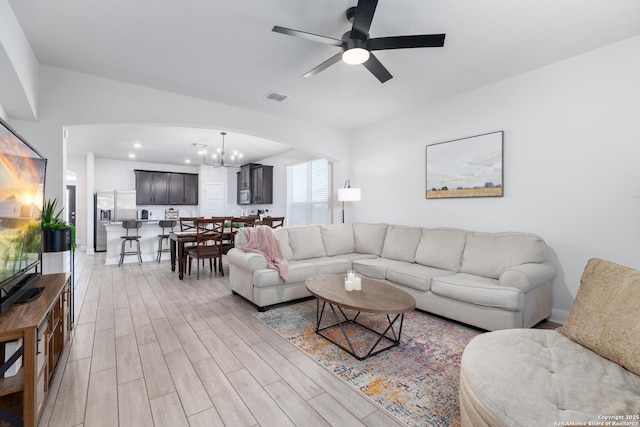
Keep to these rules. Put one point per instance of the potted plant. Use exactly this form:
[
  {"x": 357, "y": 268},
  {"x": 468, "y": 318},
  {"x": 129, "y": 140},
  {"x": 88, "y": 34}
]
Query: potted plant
[{"x": 57, "y": 234}]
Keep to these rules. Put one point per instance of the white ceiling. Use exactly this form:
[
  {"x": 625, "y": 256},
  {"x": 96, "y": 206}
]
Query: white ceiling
[{"x": 225, "y": 51}]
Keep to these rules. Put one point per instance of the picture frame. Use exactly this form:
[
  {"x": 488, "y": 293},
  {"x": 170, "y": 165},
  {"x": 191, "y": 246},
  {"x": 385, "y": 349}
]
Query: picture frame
[{"x": 466, "y": 167}]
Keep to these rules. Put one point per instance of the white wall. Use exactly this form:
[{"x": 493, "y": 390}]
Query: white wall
[
  {"x": 571, "y": 150},
  {"x": 18, "y": 67}
]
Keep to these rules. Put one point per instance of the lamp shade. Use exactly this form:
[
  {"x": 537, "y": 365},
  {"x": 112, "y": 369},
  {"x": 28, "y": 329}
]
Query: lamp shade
[{"x": 348, "y": 194}]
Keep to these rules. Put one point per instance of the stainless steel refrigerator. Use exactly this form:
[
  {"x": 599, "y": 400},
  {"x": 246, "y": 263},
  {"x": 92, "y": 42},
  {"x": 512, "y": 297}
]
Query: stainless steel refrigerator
[
  {"x": 111, "y": 206},
  {"x": 126, "y": 205},
  {"x": 105, "y": 203}
]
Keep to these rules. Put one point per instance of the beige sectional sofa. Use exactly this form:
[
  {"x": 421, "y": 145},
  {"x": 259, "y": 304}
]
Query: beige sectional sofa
[{"x": 488, "y": 280}]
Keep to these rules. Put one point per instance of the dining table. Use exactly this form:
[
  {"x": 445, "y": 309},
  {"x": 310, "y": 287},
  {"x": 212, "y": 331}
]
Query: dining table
[{"x": 177, "y": 242}]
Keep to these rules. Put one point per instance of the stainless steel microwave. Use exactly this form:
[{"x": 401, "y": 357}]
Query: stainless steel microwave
[{"x": 245, "y": 197}]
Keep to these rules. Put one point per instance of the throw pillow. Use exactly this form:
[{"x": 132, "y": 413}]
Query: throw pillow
[
  {"x": 306, "y": 242},
  {"x": 369, "y": 238},
  {"x": 489, "y": 254},
  {"x": 338, "y": 239},
  {"x": 400, "y": 243},
  {"x": 441, "y": 248},
  {"x": 604, "y": 315}
]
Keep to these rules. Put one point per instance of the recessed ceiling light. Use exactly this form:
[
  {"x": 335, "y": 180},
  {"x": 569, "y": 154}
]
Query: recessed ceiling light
[
  {"x": 137, "y": 145},
  {"x": 131, "y": 155},
  {"x": 187, "y": 160}
]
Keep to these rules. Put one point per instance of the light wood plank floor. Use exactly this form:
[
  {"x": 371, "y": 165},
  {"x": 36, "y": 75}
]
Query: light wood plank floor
[{"x": 151, "y": 350}]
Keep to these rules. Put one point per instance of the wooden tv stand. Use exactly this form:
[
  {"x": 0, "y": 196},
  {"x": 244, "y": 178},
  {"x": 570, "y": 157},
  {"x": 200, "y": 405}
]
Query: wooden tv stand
[{"x": 44, "y": 326}]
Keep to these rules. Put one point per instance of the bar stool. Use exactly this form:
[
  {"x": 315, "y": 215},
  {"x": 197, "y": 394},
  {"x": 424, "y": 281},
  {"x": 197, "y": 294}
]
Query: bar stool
[
  {"x": 164, "y": 223},
  {"x": 131, "y": 225}
]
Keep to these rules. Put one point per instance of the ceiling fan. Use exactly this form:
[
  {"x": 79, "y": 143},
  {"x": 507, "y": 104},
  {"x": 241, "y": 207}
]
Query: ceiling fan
[{"x": 356, "y": 46}]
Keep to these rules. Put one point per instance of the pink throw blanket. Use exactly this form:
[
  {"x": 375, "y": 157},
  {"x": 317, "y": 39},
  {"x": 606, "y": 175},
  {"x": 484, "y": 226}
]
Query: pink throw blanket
[{"x": 263, "y": 241}]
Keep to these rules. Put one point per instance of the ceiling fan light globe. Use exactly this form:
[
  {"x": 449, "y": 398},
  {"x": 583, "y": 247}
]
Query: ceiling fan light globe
[{"x": 355, "y": 56}]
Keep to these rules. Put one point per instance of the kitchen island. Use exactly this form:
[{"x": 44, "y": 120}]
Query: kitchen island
[{"x": 148, "y": 242}]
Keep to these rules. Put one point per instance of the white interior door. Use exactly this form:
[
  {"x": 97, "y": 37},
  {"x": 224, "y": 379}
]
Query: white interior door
[{"x": 214, "y": 200}]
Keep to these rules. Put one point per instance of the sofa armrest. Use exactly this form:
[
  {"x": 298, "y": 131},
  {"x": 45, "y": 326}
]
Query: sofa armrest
[
  {"x": 528, "y": 276},
  {"x": 247, "y": 260}
]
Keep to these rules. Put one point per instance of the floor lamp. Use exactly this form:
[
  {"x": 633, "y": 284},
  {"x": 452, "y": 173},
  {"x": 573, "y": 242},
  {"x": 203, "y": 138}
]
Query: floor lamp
[{"x": 348, "y": 194}]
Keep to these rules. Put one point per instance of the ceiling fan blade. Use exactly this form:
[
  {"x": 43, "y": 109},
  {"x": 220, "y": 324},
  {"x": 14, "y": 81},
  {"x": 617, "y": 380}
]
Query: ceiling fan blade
[
  {"x": 377, "y": 69},
  {"x": 308, "y": 36},
  {"x": 326, "y": 64},
  {"x": 362, "y": 20},
  {"x": 403, "y": 42}
]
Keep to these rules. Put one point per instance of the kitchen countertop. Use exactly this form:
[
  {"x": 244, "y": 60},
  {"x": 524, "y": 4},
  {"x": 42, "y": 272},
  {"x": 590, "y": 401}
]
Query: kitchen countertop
[{"x": 145, "y": 221}]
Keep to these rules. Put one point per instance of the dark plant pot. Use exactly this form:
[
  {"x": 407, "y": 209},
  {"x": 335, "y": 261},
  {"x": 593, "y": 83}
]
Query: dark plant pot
[{"x": 58, "y": 240}]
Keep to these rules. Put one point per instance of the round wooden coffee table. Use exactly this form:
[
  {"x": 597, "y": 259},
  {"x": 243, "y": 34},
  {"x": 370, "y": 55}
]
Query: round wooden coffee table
[{"x": 375, "y": 297}]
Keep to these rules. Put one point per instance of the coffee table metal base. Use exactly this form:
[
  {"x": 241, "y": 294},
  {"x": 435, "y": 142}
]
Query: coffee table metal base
[{"x": 394, "y": 339}]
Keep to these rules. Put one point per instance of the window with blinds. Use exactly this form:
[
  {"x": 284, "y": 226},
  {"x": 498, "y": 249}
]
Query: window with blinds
[{"x": 308, "y": 193}]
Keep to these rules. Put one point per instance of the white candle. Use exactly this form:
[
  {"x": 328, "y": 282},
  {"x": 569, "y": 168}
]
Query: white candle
[
  {"x": 357, "y": 283},
  {"x": 351, "y": 275},
  {"x": 348, "y": 284}
]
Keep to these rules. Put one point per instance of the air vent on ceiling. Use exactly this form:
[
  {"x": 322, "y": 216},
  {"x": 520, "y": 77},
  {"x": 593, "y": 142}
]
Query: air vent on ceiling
[{"x": 274, "y": 96}]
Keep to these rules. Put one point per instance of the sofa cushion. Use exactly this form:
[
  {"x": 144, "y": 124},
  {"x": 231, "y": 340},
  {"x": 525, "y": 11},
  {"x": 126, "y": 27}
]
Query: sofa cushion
[
  {"x": 489, "y": 254},
  {"x": 240, "y": 240},
  {"x": 414, "y": 276},
  {"x": 356, "y": 256},
  {"x": 306, "y": 242},
  {"x": 441, "y": 248},
  {"x": 332, "y": 265},
  {"x": 375, "y": 268},
  {"x": 283, "y": 237},
  {"x": 338, "y": 239},
  {"x": 299, "y": 271},
  {"x": 604, "y": 315},
  {"x": 400, "y": 243},
  {"x": 369, "y": 238},
  {"x": 478, "y": 290}
]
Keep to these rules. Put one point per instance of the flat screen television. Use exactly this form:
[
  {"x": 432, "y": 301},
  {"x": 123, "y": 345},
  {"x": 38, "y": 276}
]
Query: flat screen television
[{"x": 22, "y": 179}]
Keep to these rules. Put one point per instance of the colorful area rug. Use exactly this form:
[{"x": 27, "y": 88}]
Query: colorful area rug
[{"x": 417, "y": 382}]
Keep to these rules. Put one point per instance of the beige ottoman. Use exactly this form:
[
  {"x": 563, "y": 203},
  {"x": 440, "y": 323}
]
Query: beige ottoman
[{"x": 533, "y": 377}]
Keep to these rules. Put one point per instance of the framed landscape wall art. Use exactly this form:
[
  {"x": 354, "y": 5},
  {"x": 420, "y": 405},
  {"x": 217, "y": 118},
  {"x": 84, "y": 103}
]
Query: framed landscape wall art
[{"x": 467, "y": 167}]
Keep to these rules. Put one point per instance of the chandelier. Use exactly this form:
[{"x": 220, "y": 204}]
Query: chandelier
[{"x": 219, "y": 158}]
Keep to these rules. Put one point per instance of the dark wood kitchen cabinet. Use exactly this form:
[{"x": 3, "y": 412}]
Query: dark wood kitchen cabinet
[
  {"x": 244, "y": 176},
  {"x": 258, "y": 180},
  {"x": 262, "y": 185},
  {"x": 183, "y": 189},
  {"x": 152, "y": 188},
  {"x": 166, "y": 188}
]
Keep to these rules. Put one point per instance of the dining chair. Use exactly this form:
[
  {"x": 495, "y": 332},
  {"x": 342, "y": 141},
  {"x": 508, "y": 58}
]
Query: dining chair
[
  {"x": 229, "y": 232},
  {"x": 188, "y": 223},
  {"x": 273, "y": 221},
  {"x": 208, "y": 245},
  {"x": 248, "y": 221}
]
